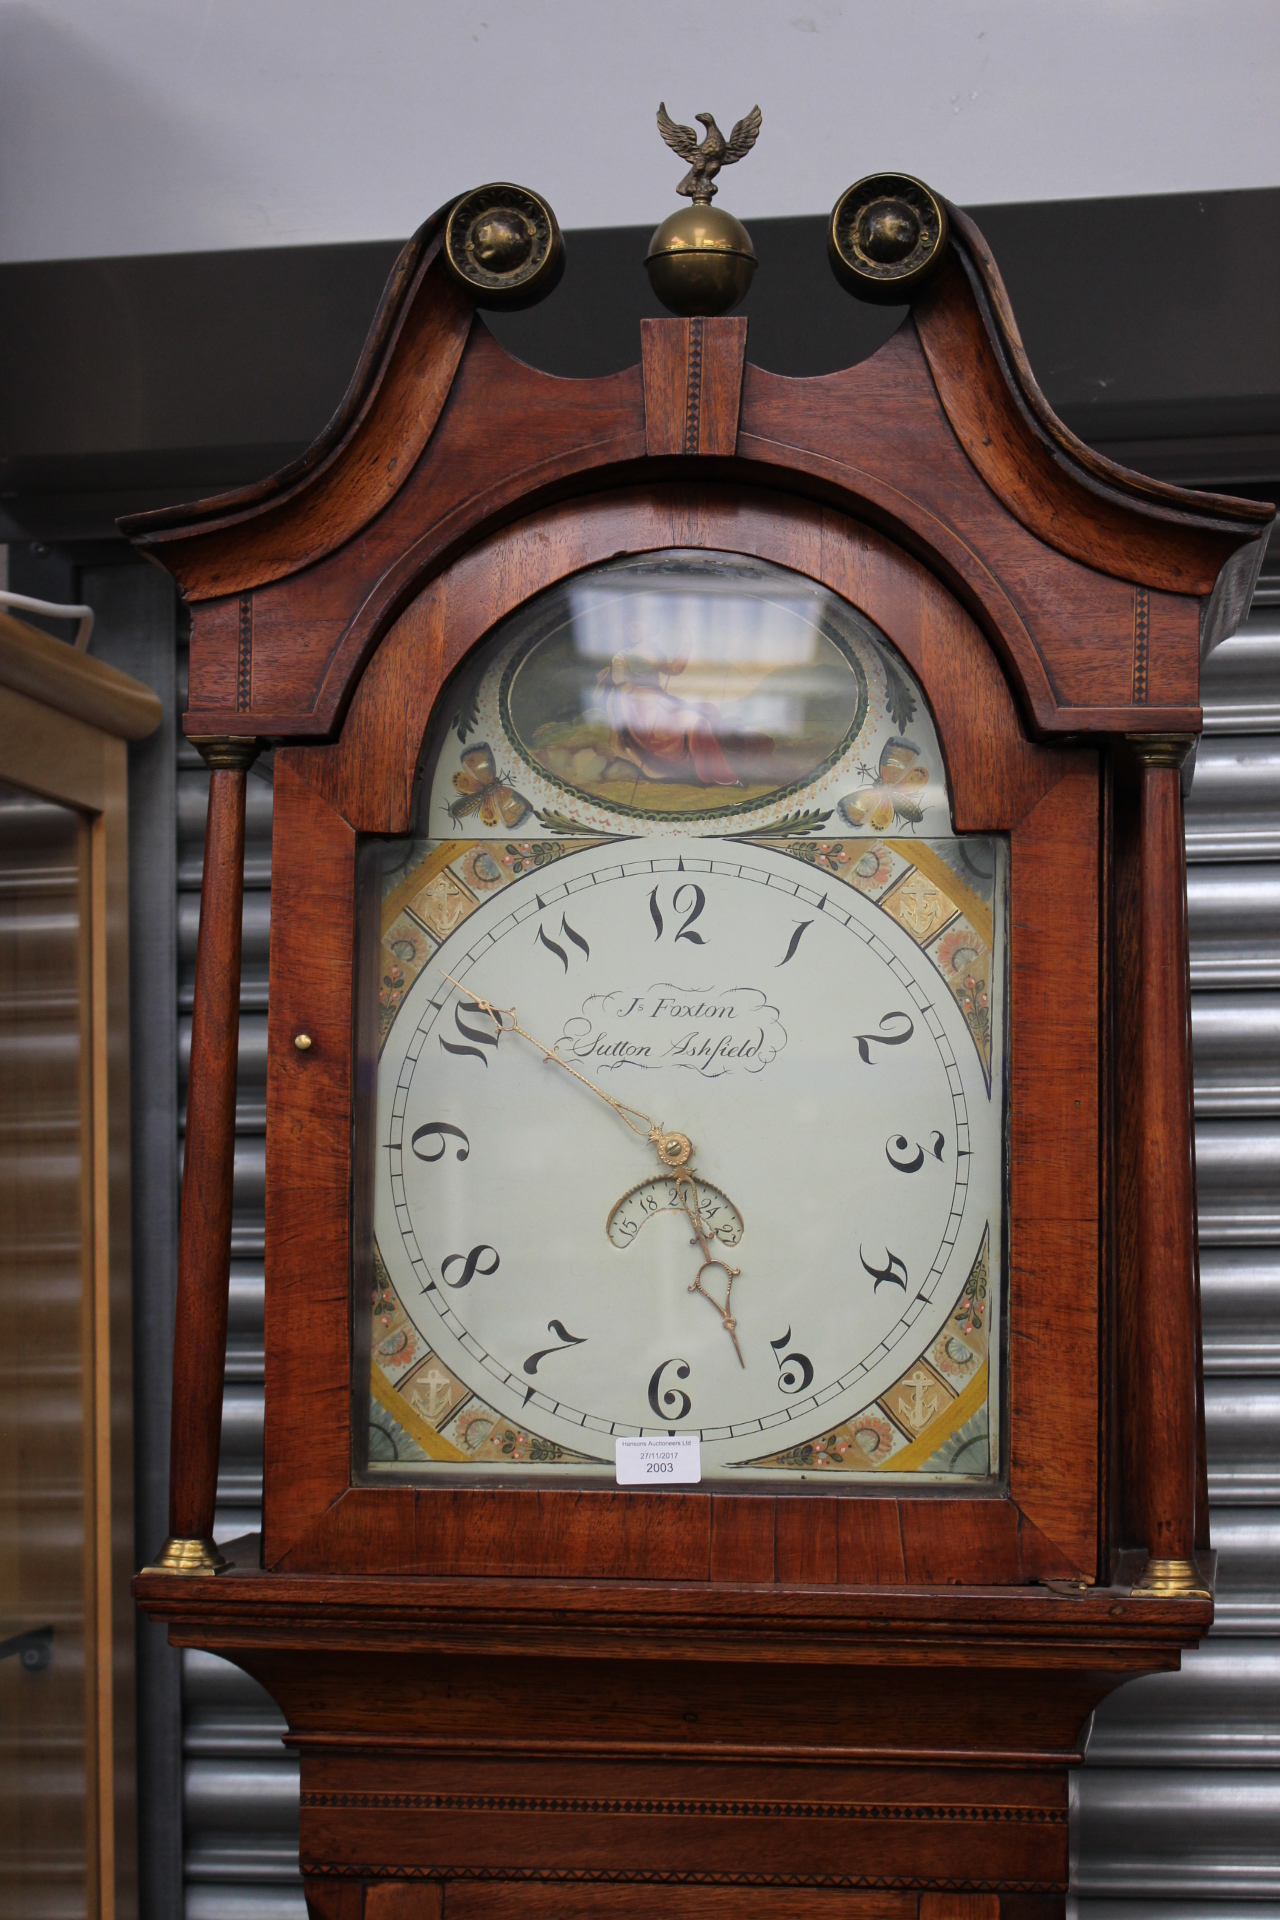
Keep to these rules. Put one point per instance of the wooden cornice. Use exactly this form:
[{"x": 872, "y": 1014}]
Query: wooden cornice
[
  {"x": 1160, "y": 536},
  {"x": 235, "y": 541},
  {"x": 942, "y": 440}
]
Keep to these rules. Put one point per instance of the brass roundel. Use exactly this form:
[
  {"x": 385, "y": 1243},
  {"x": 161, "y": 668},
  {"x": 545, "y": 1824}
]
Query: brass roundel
[
  {"x": 503, "y": 244},
  {"x": 886, "y": 236}
]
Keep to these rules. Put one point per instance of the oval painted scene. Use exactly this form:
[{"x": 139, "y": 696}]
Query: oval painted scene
[{"x": 683, "y": 684}]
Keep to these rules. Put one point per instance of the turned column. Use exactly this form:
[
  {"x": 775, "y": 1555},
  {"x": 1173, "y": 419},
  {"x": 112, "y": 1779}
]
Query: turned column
[
  {"x": 1166, "y": 1294},
  {"x": 204, "y": 1233}
]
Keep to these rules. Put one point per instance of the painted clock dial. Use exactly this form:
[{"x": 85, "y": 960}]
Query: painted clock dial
[{"x": 689, "y": 1111}]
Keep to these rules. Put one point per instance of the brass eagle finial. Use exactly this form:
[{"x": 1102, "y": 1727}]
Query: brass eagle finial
[{"x": 706, "y": 160}]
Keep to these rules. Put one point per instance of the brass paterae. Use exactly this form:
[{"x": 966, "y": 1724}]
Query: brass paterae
[
  {"x": 504, "y": 245},
  {"x": 886, "y": 237},
  {"x": 701, "y": 260}
]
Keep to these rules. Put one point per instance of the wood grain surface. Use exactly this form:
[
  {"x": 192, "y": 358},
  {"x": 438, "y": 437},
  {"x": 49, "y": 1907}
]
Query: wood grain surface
[
  {"x": 204, "y": 1232},
  {"x": 995, "y": 774},
  {"x": 309, "y": 1386},
  {"x": 1001, "y": 440},
  {"x": 1166, "y": 1298},
  {"x": 491, "y": 1897},
  {"x": 692, "y": 371}
]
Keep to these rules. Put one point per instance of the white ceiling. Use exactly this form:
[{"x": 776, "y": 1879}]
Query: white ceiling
[{"x": 144, "y": 126}]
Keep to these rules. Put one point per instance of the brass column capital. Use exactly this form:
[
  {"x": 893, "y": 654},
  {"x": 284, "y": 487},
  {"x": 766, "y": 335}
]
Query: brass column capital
[
  {"x": 187, "y": 1557},
  {"x": 226, "y": 753},
  {"x": 1161, "y": 749},
  {"x": 1173, "y": 1580}
]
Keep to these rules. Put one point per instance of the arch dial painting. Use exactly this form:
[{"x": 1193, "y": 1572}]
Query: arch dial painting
[{"x": 690, "y": 1089}]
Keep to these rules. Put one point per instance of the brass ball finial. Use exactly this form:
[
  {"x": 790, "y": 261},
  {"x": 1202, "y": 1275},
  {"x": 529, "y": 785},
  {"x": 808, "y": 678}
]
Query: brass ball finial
[
  {"x": 886, "y": 238},
  {"x": 701, "y": 260}
]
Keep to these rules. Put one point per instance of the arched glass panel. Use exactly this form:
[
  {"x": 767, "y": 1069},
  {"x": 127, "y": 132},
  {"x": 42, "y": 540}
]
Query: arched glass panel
[{"x": 702, "y": 692}]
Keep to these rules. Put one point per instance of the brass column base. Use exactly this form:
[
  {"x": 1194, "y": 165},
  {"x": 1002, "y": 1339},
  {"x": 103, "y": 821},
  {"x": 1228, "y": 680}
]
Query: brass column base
[
  {"x": 188, "y": 1557},
  {"x": 1173, "y": 1580}
]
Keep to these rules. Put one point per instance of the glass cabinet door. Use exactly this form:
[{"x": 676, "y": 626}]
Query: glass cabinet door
[{"x": 46, "y": 1353}]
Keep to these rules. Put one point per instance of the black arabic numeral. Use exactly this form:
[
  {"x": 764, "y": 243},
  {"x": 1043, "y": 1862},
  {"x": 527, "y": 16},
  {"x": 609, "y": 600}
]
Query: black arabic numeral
[
  {"x": 685, "y": 931},
  {"x": 699, "y": 902},
  {"x": 897, "y": 1151},
  {"x": 470, "y": 1266},
  {"x": 438, "y": 1130},
  {"x": 566, "y": 1339},
  {"x": 553, "y": 946},
  {"x": 476, "y": 1035},
  {"x": 670, "y": 1397},
  {"x": 898, "y": 1143},
  {"x": 570, "y": 933},
  {"x": 795, "y": 941},
  {"x": 894, "y": 1270},
  {"x": 885, "y": 1038},
  {"x": 795, "y": 1370}
]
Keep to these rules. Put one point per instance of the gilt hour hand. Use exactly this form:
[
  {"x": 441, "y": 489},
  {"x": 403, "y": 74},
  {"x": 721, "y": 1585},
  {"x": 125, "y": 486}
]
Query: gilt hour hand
[{"x": 688, "y": 1193}]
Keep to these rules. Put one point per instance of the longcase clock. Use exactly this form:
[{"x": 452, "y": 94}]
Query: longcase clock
[{"x": 733, "y": 1400}]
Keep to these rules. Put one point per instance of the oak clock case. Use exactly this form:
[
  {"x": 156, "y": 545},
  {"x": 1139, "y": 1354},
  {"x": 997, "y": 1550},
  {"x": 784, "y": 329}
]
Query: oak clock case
[{"x": 685, "y": 845}]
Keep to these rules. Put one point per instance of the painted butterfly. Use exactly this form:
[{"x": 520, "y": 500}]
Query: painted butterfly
[
  {"x": 482, "y": 791},
  {"x": 892, "y": 795}
]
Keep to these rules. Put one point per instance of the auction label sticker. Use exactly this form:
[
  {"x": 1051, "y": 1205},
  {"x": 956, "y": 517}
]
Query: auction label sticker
[{"x": 674, "y": 1462}]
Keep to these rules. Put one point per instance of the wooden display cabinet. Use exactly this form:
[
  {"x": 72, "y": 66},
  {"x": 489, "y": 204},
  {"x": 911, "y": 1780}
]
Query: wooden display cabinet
[
  {"x": 806, "y": 1694},
  {"x": 68, "y": 1818}
]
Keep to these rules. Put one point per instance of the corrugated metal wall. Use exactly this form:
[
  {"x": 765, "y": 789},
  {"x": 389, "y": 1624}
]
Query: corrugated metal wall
[
  {"x": 1178, "y": 1806},
  {"x": 1179, "y": 1802},
  {"x": 240, "y": 1785}
]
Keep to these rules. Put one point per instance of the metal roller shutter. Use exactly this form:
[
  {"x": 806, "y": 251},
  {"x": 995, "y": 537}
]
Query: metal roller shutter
[
  {"x": 240, "y": 1784},
  {"x": 1178, "y": 1805}
]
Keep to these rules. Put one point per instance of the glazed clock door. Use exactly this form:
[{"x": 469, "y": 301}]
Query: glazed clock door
[{"x": 690, "y": 1109}]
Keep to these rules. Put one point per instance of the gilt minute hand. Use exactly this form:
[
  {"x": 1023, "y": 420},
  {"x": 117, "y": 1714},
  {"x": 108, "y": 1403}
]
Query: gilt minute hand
[{"x": 674, "y": 1150}]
